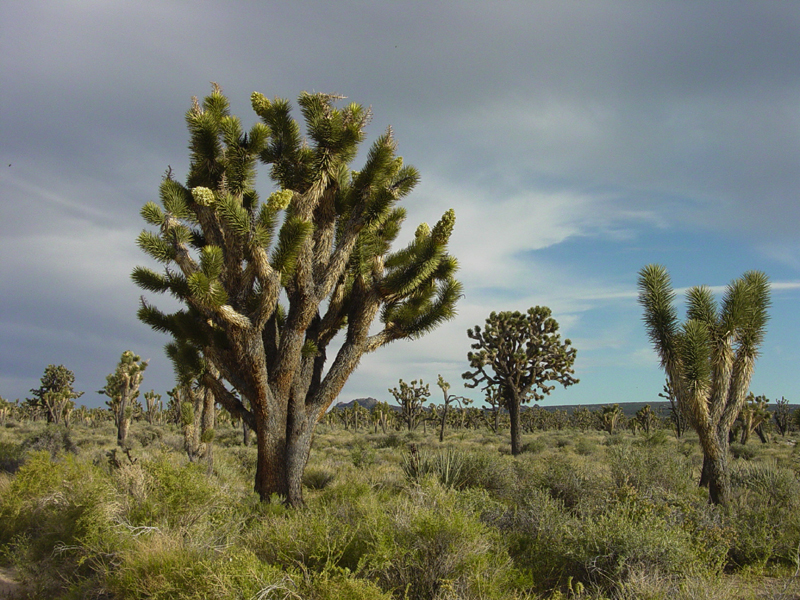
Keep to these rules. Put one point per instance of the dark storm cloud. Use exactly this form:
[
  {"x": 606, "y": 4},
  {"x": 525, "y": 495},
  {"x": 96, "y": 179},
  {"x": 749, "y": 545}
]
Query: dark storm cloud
[{"x": 587, "y": 118}]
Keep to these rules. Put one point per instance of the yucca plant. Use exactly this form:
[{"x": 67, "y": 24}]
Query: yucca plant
[{"x": 709, "y": 359}]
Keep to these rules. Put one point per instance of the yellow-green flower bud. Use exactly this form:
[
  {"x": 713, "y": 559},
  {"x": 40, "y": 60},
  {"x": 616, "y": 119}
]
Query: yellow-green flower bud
[
  {"x": 203, "y": 196},
  {"x": 279, "y": 200},
  {"x": 423, "y": 231},
  {"x": 259, "y": 102},
  {"x": 443, "y": 229}
]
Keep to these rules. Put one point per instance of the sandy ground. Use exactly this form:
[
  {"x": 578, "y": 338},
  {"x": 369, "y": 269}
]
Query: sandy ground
[{"x": 8, "y": 587}]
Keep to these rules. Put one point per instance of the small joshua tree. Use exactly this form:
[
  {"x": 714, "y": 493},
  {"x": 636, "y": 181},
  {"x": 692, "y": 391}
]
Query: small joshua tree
[
  {"x": 411, "y": 397},
  {"x": 55, "y": 397},
  {"x": 610, "y": 417},
  {"x": 154, "y": 407},
  {"x": 782, "y": 416},
  {"x": 709, "y": 359},
  {"x": 122, "y": 387},
  {"x": 520, "y": 353},
  {"x": 752, "y": 418},
  {"x": 646, "y": 419},
  {"x": 197, "y": 416},
  {"x": 448, "y": 400}
]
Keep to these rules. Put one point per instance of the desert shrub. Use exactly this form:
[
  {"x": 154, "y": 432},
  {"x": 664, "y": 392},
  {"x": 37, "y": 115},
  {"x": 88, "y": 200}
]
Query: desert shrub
[
  {"x": 565, "y": 480},
  {"x": 537, "y": 533},
  {"x": 658, "y": 437},
  {"x": 163, "y": 492},
  {"x": 317, "y": 478},
  {"x": 435, "y": 549},
  {"x": 229, "y": 437},
  {"x": 743, "y": 451},
  {"x": 362, "y": 454},
  {"x": 55, "y": 440},
  {"x": 342, "y": 586},
  {"x": 765, "y": 514},
  {"x": 562, "y": 442},
  {"x": 534, "y": 446},
  {"x": 162, "y": 567},
  {"x": 390, "y": 440},
  {"x": 147, "y": 435},
  {"x": 245, "y": 459},
  {"x": 585, "y": 447},
  {"x": 633, "y": 534},
  {"x": 650, "y": 467},
  {"x": 57, "y": 521},
  {"x": 317, "y": 538},
  {"x": 11, "y": 457}
]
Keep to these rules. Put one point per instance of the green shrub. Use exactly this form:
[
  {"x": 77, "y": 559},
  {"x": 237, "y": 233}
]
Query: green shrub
[
  {"x": 55, "y": 440},
  {"x": 147, "y": 435},
  {"x": 57, "y": 522},
  {"x": 163, "y": 568},
  {"x": 585, "y": 447},
  {"x": 650, "y": 467},
  {"x": 537, "y": 533},
  {"x": 317, "y": 539},
  {"x": 434, "y": 549},
  {"x": 743, "y": 451},
  {"x": 342, "y": 586},
  {"x": 11, "y": 457},
  {"x": 534, "y": 446},
  {"x": 765, "y": 515},
  {"x": 162, "y": 492},
  {"x": 390, "y": 440},
  {"x": 362, "y": 454},
  {"x": 565, "y": 480},
  {"x": 316, "y": 478}
]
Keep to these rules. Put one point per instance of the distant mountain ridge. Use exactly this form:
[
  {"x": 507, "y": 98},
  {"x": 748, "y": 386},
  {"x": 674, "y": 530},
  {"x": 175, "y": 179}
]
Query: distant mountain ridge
[{"x": 368, "y": 403}]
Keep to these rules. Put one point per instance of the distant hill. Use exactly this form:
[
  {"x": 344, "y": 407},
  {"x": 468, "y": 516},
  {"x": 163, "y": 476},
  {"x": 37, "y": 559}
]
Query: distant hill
[{"x": 367, "y": 403}]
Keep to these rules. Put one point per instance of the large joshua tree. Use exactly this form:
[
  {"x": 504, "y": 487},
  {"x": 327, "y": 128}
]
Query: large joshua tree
[
  {"x": 709, "y": 359},
  {"x": 267, "y": 286},
  {"x": 519, "y": 354}
]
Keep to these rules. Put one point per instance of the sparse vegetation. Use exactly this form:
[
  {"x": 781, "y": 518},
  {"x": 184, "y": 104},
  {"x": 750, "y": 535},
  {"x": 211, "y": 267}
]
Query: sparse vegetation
[{"x": 578, "y": 514}]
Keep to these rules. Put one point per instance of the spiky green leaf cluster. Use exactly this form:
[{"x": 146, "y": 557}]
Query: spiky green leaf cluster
[
  {"x": 321, "y": 242},
  {"x": 710, "y": 356}
]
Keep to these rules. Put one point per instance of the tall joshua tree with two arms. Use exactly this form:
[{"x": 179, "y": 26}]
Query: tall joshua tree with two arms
[
  {"x": 267, "y": 286},
  {"x": 709, "y": 359}
]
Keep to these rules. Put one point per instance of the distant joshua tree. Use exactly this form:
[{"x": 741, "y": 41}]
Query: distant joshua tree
[
  {"x": 519, "y": 354},
  {"x": 411, "y": 397},
  {"x": 122, "y": 387}
]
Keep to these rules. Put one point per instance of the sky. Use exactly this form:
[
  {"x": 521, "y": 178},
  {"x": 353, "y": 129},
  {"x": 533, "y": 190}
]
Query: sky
[{"x": 576, "y": 141}]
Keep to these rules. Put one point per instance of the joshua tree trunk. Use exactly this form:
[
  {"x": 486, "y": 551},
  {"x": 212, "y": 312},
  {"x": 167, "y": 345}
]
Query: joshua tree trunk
[
  {"x": 123, "y": 424},
  {"x": 512, "y": 404},
  {"x": 715, "y": 474}
]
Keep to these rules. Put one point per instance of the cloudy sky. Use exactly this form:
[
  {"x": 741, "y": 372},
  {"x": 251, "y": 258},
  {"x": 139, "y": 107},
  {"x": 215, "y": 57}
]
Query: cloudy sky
[{"x": 576, "y": 141}]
